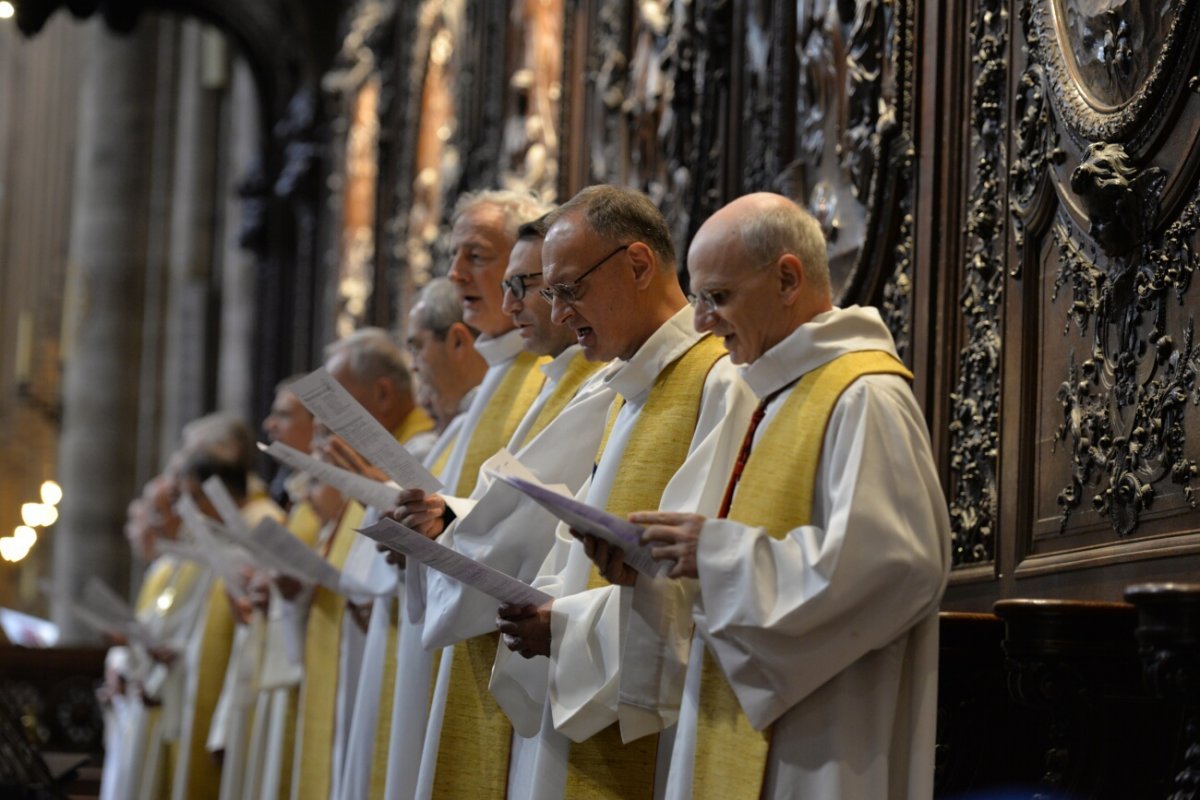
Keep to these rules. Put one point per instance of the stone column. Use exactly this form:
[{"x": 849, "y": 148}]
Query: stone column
[
  {"x": 107, "y": 262},
  {"x": 189, "y": 355},
  {"x": 235, "y": 389}
]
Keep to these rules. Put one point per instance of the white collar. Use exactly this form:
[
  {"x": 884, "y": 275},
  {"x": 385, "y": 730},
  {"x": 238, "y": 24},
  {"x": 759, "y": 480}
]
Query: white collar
[
  {"x": 816, "y": 342},
  {"x": 557, "y": 367},
  {"x": 635, "y": 377},
  {"x": 496, "y": 350}
]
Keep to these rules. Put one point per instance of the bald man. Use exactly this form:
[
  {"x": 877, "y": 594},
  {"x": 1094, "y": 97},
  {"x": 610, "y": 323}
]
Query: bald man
[{"x": 816, "y": 584}]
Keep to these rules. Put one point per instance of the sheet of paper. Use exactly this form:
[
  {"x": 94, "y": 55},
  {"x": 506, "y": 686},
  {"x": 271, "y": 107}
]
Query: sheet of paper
[
  {"x": 479, "y": 576},
  {"x": 218, "y": 493},
  {"x": 106, "y": 611},
  {"x": 371, "y": 493},
  {"x": 584, "y": 518},
  {"x": 218, "y": 556},
  {"x": 299, "y": 560},
  {"x": 27, "y": 631},
  {"x": 332, "y": 404}
]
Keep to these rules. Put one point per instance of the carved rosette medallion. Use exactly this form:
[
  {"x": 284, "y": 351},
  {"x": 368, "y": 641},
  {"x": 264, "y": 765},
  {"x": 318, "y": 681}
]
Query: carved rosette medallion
[{"x": 975, "y": 422}]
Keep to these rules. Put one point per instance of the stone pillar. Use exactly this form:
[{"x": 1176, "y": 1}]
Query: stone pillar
[
  {"x": 189, "y": 356},
  {"x": 107, "y": 262},
  {"x": 235, "y": 388}
]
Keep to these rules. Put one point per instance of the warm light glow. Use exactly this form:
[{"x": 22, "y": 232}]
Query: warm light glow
[
  {"x": 26, "y": 535},
  {"x": 51, "y": 493},
  {"x": 38, "y": 515},
  {"x": 12, "y": 549},
  {"x": 6, "y": 9}
]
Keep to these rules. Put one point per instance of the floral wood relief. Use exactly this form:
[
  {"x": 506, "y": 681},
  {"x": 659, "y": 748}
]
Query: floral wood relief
[
  {"x": 975, "y": 422},
  {"x": 1122, "y": 271}
]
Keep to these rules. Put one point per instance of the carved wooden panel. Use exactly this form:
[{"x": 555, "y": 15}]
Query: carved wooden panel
[{"x": 1105, "y": 206}]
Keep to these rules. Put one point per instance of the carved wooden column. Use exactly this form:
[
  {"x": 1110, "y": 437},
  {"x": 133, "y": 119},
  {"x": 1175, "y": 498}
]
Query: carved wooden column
[
  {"x": 107, "y": 253},
  {"x": 1075, "y": 664},
  {"x": 1168, "y": 635}
]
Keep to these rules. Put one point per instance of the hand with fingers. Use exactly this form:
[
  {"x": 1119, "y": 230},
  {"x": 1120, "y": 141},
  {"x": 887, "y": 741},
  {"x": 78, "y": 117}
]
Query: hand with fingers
[
  {"x": 424, "y": 513},
  {"x": 674, "y": 536},
  {"x": 525, "y": 629},
  {"x": 337, "y": 452},
  {"x": 609, "y": 559}
]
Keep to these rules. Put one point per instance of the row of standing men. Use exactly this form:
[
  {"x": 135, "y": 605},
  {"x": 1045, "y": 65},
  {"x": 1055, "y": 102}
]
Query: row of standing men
[{"x": 768, "y": 443}]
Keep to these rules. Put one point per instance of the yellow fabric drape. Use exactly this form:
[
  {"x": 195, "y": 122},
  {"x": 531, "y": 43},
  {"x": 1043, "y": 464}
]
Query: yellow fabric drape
[
  {"x": 318, "y": 695},
  {"x": 517, "y": 390},
  {"x": 577, "y": 372},
  {"x": 658, "y": 445},
  {"x": 474, "y": 747},
  {"x": 203, "y": 777},
  {"x": 775, "y": 492},
  {"x": 383, "y": 723},
  {"x": 415, "y": 423},
  {"x": 305, "y": 525}
]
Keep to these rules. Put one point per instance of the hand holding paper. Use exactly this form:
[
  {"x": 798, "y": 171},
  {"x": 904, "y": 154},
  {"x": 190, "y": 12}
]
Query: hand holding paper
[
  {"x": 333, "y": 405},
  {"x": 615, "y": 532},
  {"x": 474, "y": 574},
  {"x": 371, "y": 493}
]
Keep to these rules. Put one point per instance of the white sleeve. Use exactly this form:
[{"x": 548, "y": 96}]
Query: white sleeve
[{"x": 783, "y": 616}]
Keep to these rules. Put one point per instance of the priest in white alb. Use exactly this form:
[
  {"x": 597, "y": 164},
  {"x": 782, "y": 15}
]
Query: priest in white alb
[
  {"x": 609, "y": 266},
  {"x": 813, "y": 672}
]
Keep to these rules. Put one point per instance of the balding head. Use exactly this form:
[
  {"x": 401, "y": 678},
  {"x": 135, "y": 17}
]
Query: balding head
[
  {"x": 759, "y": 269},
  {"x": 370, "y": 366},
  {"x": 609, "y": 265}
]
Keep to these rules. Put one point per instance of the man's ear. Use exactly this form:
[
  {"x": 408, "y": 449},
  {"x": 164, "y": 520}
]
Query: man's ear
[
  {"x": 458, "y": 337},
  {"x": 645, "y": 264},
  {"x": 383, "y": 390},
  {"x": 790, "y": 278}
]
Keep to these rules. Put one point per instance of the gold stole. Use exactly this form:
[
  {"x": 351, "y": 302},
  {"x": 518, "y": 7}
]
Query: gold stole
[
  {"x": 517, "y": 390},
  {"x": 155, "y": 585},
  {"x": 476, "y": 735},
  {"x": 305, "y": 525},
  {"x": 318, "y": 703},
  {"x": 776, "y": 493},
  {"x": 603, "y": 766},
  {"x": 439, "y": 466},
  {"x": 416, "y": 422},
  {"x": 203, "y": 776},
  {"x": 164, "y": 582},
  {"x": 577, "y": 372}
]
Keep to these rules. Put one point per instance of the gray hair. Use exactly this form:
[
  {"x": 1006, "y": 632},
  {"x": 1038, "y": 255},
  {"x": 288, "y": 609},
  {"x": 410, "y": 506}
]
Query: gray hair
[
  {"x": 222, "y": 435},
  {"x": 517, "y": 207},
  {"x": 788, "y": 229},
  {"x": 372, "y": 353},
  {"x": 622, "y": 215},
  {"x": 438, "y": 307}
]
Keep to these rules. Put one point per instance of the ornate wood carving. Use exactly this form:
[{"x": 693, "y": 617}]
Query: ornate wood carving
[
  {"x": 354, "y": 88},
  {"x": 1125, "y": 393},
  {"x": 975, "y": 422}
]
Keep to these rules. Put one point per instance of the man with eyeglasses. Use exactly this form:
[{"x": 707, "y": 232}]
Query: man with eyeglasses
[
  {"x": 813, "y": 671},
  {"x": 471, "y": 749},
  {"x": 609, "y": 269}
]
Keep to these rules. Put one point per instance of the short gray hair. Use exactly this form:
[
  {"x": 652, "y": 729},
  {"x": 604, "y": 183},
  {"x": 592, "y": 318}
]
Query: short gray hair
[
  {"x": 372, "y": 353},
  {"x": 517, "y": 207},
  {"x": 784, "y": 229},
  {"x": 438, "y": 307},
  {"x": 622, "y": 215},
  {"x": 222, "y": 434}
]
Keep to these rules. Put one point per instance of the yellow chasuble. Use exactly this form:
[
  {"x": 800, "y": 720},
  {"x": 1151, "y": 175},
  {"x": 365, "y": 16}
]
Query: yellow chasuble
[
  {"x": 415, "y": 423},
  {"x": 305, "y": 525},
  {"x": 203, "y": 773},
  {"x": 603, "y": 766},
  {"x": 577, "y": 372},
  {"x": 517, "y": 390},
  {"x": 319, "y": 691},
  {"x": 476, "y": 736},
  {"x": 775, "y": 492}
]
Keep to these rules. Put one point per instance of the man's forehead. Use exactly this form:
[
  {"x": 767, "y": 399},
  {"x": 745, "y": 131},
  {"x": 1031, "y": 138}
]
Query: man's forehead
[
  {"x": 481, "y": 226},
  {"x": 526, "y": 256}
]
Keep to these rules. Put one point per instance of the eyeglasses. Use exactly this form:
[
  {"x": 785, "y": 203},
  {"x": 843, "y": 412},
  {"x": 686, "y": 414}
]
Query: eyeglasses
[
  {"x": 573, "y": 291},
  {"x": 516, "y": 284},
  {"x": 708, "y": 300}
]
